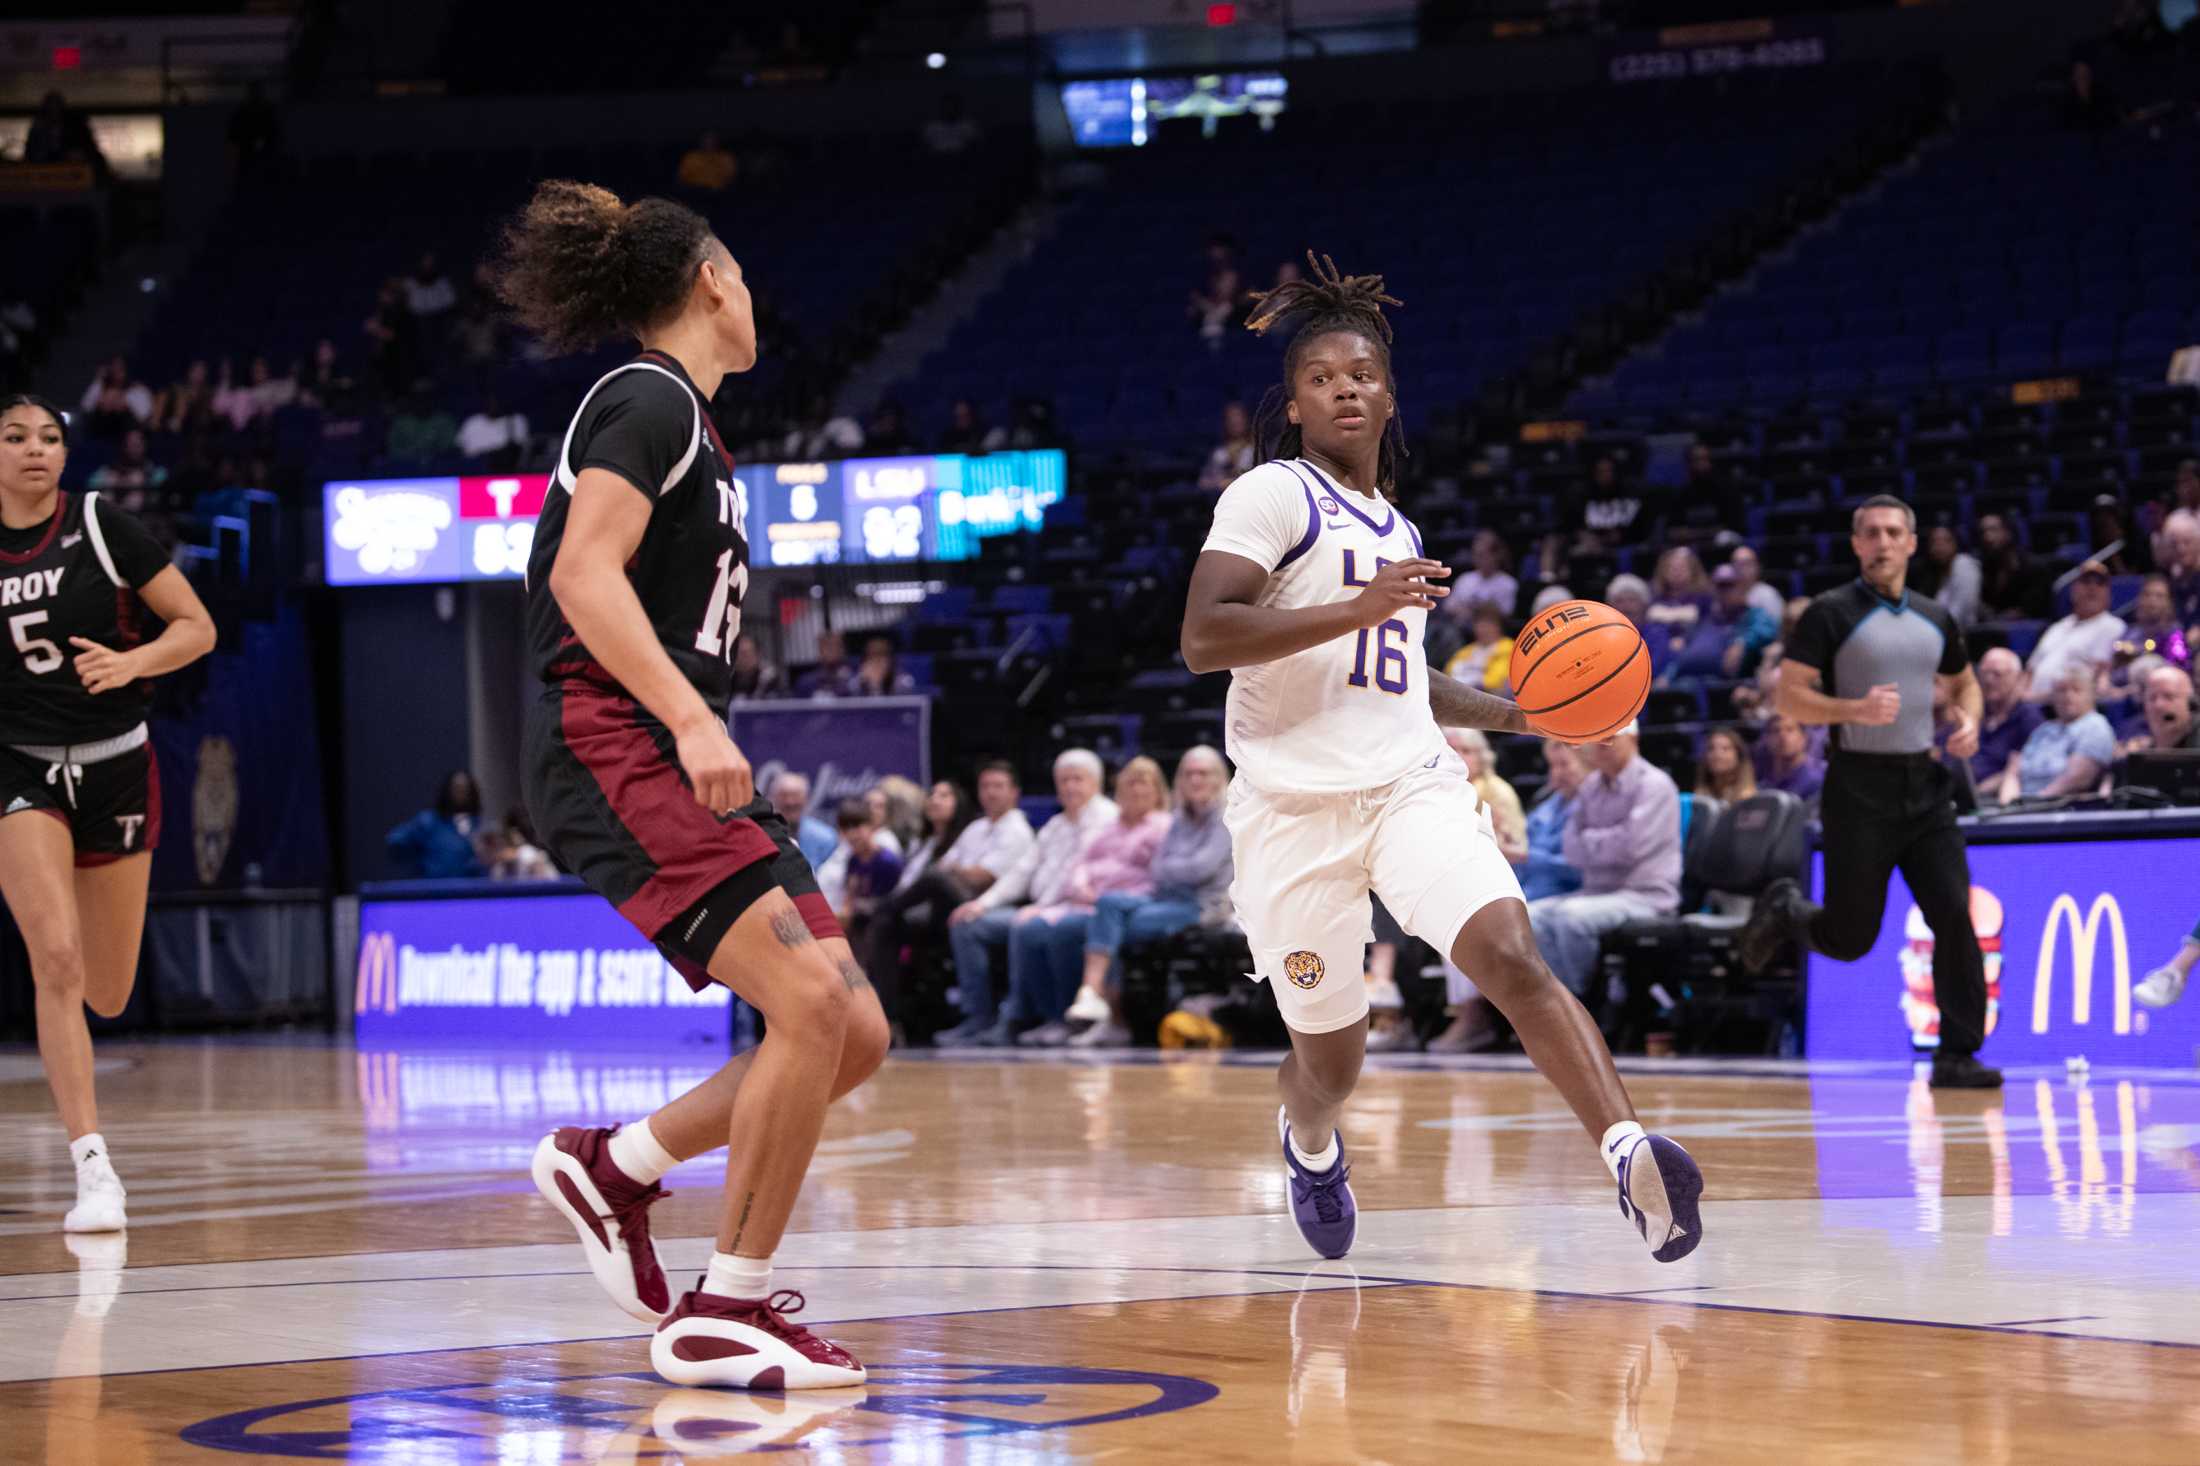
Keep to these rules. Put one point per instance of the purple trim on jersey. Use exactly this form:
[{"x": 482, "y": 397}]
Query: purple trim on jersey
[
  {"x": 1344, "y": 503},
  {"x": 1416, "y": 535},
  {"x": 1313, "y": 530}
]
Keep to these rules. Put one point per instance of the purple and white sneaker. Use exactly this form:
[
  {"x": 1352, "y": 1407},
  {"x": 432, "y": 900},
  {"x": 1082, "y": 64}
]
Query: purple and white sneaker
[
  {"x": 1659, "y": 1187},
  {"x": 1321, "y": 1201}
]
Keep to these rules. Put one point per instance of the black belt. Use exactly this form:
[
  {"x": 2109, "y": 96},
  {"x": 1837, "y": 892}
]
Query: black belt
[{"x": 1882, "y": 760}]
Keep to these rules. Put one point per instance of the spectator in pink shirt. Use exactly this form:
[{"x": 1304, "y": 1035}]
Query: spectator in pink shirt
[{"x": 1046, "y": 950}]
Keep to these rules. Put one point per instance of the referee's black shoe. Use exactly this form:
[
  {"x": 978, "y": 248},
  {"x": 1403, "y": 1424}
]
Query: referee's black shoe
[
  {"x": 1963, "y": 1071},
  {"x": 1775, "y": 920}
]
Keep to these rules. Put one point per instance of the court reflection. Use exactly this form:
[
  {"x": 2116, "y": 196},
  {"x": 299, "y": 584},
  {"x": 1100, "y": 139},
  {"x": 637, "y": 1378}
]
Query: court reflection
[
  {"x": 1324, "y": 1320},
  {"x": 81, "y": 1428},
  {"x": 1650, "y": 1377},
  {"x": 707, "y": 1425},
  {"x": 2096, "y": 1148}
]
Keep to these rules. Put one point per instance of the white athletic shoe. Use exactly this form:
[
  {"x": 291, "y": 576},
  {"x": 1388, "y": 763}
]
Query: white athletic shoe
[
  {"x": 1090, "y": 1007},
  {"x": 1106, "y": 1034},
  {"x": 609, "y": 1211},
  {"x": 1383, "y": 995},
  {"x": 99, "y": 1199},
  {"x": 747, "y": 1344},
  {"x": 2161, "y": 987}
]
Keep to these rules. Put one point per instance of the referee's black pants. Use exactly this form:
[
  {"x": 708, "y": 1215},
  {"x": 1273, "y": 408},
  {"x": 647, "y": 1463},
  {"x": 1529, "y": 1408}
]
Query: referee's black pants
[{"x": 1888, "y": 812}]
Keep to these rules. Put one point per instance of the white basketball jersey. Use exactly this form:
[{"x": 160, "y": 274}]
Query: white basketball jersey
[{"x": 1353, "y": 713}]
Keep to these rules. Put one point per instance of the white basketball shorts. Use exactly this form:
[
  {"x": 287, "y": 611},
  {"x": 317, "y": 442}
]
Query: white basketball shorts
[{"x": 1305, "y": 864}]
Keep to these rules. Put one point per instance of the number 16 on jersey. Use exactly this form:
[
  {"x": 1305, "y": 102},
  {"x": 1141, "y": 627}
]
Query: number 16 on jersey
[{"x": 1391, "y": 667}]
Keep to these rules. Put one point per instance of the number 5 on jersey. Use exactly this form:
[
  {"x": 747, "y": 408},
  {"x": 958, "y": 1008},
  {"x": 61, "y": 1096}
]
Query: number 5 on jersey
[
  {"x": 40, "y": 656},
  {"x": 722, "y": 618}
]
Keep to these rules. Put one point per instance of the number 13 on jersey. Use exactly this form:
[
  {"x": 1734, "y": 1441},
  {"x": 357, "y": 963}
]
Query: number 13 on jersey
[{"x": 722, "y": 618}]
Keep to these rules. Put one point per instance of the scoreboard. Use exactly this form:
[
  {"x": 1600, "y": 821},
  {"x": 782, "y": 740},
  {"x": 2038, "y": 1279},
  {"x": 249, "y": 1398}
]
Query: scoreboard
[{"x": 930, "y": 506}]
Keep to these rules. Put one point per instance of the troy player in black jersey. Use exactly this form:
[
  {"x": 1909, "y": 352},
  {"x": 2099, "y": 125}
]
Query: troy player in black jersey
[
  {"x": 79, "y": 793},
  {"x": 634, "y": 603}
]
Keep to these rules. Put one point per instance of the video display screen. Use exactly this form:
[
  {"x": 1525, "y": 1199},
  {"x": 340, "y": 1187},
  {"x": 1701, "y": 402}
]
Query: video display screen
[
  {"x": 1121, "y": 112},
  {"x": 932, "y": 506}
]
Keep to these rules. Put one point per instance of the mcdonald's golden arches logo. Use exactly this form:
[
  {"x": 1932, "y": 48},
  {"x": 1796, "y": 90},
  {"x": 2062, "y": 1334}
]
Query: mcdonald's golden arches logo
[
  {"x": 2085, "y": 938},
  {"x": 377, "y": 974}
]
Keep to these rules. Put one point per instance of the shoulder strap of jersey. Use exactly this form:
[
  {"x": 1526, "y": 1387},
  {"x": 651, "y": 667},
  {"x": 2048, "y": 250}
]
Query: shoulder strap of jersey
[
  {"x": 565, "y": 478},
  {"x": 98, "y": 537}
]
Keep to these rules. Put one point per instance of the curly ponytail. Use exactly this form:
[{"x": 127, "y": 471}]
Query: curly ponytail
[{"x": 577, "y": 266}]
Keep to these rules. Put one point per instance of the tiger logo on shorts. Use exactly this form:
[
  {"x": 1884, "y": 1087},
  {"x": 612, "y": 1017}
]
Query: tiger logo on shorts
[{"x": 1303, "y": 968}]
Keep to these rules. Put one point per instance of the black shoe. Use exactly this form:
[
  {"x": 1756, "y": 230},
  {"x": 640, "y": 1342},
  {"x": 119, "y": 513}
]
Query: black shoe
[
  {"x": 1771, "y": 925},
  {"x": 1001, "y": 1035},
  {"x": 1963, "y": 1071}
]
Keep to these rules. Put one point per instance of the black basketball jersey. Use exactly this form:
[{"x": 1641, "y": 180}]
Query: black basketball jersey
[
  {"x": 646, "y": 423},
  {"x": 77, "y": 574}
]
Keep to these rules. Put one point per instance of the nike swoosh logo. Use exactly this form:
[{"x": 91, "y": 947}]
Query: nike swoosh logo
[
  {"x": 70, "y": 540},
  {"x": 1338, "y": 525},
  {"x": 1615, "y": 1145}
]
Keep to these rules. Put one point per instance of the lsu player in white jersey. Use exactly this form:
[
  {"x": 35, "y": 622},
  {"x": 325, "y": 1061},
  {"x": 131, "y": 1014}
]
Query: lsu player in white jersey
[{"x": 1313, "y": 590}]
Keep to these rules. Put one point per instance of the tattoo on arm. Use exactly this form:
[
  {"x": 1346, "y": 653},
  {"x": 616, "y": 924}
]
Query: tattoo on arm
[
  {"x": 742, "y": 1225},
  {"x": 1457, "y": 705},
  {"x": 852, "y": 975},
  {"x": 791, "y": 929}
]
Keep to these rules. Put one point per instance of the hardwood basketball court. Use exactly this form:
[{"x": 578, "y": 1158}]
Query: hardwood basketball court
[{"x": 338, "y": 1255}]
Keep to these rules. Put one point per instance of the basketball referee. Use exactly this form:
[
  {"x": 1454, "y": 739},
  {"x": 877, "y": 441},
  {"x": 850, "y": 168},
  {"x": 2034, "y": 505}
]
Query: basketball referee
[{"x": 1864, "y": 659}]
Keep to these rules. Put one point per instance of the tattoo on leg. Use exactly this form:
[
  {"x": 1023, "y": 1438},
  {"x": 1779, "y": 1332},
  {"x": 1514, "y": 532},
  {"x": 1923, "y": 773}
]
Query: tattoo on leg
[
  {"x": 852, "y": 975},
  {"x": 742, "y": 1225},
  {"x": 791, "y": 929}
]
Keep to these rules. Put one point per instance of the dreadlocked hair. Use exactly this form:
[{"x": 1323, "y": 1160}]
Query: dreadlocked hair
[
  {"x": 578, "y": 267},
  {"x": 1329, "y": 300}
]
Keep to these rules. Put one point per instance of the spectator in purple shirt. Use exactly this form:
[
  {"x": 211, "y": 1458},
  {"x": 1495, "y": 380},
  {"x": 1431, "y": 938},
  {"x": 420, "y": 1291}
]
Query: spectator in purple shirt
[
  {"x": 1731, "y": 636},
  {"x": 2008, "y": 719},
  {"x": 873, "y": 870},
  {"x": 1792, "y": 767},
  {"x": 1624, "y": 836}
]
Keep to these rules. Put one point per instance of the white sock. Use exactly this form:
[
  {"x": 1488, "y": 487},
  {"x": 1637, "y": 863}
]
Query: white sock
[
  {"x": 634, "y": 1150},
  {"x": 1322, "y": 1159},
  {"x": 738, "y": 1277},
  {"x": 88, "y": 1147},
  {"x": 1618, "y": 1141}
]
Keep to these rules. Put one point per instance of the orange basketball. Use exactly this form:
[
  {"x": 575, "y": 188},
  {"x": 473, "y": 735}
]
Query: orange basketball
[{"x": 1580, "y": 671}]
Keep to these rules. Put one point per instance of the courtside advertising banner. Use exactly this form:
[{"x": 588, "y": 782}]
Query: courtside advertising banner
[
  {"x": 2067, "y": 928},
  {"x": 553, "y": 971},
  {"x": 844, "y": 745}
]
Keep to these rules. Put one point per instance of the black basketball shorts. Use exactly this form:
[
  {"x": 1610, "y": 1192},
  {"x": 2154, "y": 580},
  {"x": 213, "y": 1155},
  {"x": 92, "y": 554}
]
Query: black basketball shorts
[{"x": 107, "y": 793}]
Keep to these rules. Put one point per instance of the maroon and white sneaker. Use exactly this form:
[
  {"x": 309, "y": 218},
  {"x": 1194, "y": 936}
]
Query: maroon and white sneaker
[
  {"x": 610, "y": 1211},
  {"x": 748, "y": 1344}
]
